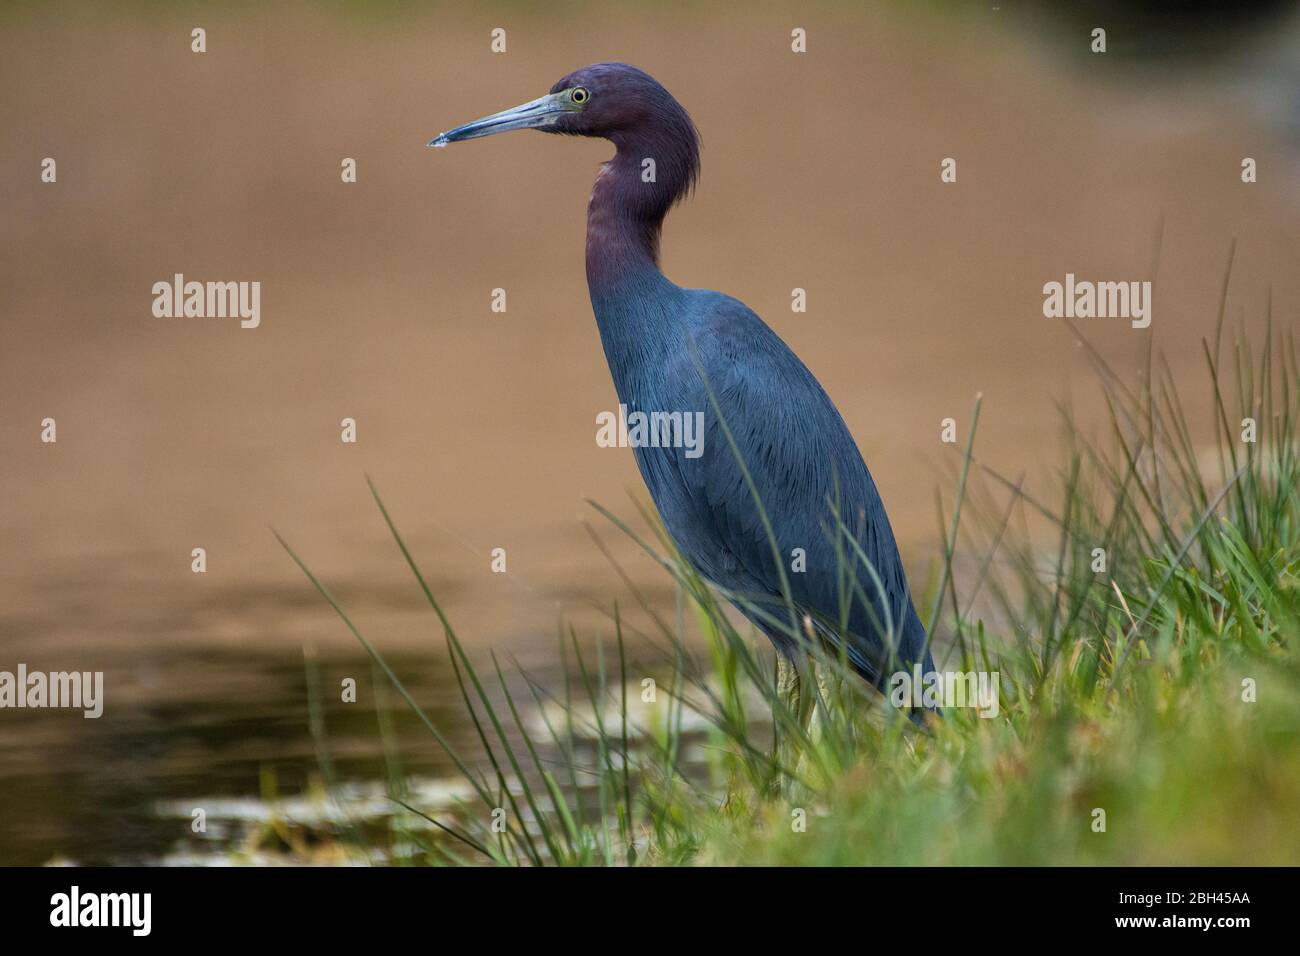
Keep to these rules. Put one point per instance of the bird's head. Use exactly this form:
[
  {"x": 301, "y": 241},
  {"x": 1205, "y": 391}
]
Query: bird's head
[
  {"x": 613, "y": 101},
  {"x": 622, "y": 104}
]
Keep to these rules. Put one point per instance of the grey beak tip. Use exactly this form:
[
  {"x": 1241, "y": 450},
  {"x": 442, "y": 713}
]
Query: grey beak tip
[{"x": 438, "y": 142}]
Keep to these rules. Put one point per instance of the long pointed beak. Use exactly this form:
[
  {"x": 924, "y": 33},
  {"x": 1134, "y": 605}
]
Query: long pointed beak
[{"x": 542, "y": 111}]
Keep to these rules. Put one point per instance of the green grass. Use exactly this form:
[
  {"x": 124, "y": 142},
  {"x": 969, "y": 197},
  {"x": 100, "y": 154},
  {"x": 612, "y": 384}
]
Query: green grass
[{"x": 1121, "y": 690}]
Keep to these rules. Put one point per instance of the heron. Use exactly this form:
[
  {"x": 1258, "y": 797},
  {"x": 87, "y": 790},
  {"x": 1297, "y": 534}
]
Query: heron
[{"x": 781, "y": 480}]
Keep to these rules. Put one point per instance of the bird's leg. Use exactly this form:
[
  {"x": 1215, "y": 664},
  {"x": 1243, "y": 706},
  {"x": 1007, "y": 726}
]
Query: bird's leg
[
  {"x": 807, "y": 693},
  {"x": 797, "y": 685},
  {"x": 787, "y": 692},
  {"x": 787, "y": 679}
]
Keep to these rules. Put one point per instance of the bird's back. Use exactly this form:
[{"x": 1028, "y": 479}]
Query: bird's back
[{"x": 714, "y": 356}]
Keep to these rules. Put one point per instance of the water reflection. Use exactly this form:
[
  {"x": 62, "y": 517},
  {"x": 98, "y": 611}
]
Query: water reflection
[{"x": 112, "y": 790}]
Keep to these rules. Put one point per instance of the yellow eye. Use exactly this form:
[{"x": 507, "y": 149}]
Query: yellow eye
[{"x": 579, "y": 95}]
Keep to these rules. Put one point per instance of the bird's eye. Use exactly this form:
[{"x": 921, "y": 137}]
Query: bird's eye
[{"x": 579, "y": 95}]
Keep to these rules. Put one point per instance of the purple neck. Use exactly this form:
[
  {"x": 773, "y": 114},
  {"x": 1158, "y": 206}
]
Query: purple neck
[{"x": 628, "y": 203}]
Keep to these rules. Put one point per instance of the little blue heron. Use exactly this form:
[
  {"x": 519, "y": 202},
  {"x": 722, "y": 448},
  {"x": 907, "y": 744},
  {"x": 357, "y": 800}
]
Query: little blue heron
[{"x": 779, "y": 511}]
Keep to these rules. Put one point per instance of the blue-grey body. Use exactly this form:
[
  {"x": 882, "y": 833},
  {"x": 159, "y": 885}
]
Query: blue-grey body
[{"x": 801, "y": 458}]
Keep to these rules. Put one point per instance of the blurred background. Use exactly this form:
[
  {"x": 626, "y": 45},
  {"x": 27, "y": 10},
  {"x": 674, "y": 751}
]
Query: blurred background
[{"x": 820, "y": 171}]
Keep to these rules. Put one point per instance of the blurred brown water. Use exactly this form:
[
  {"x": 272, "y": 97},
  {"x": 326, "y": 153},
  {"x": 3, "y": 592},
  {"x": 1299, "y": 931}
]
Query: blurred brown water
[{"x": 821, "y": 171}]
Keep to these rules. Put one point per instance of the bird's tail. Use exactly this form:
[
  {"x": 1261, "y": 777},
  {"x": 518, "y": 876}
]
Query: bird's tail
[{"x": 888, "y": 665}]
